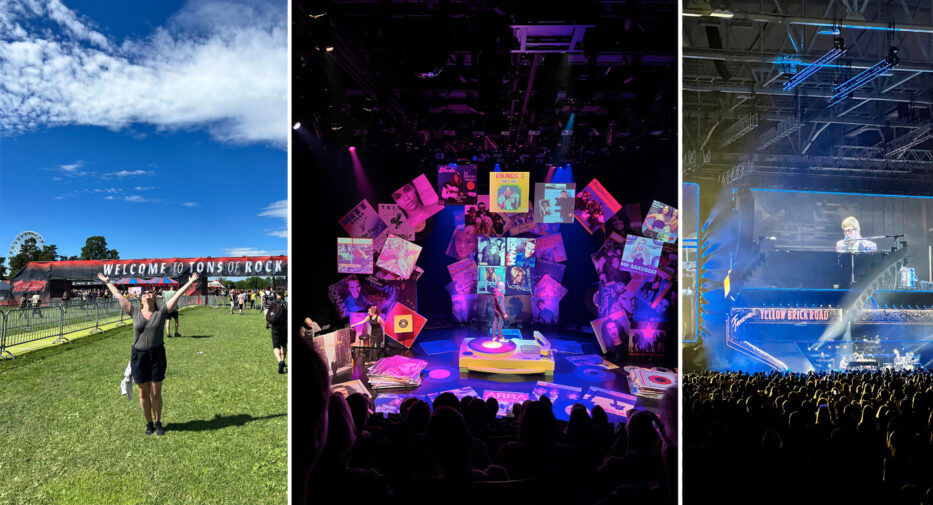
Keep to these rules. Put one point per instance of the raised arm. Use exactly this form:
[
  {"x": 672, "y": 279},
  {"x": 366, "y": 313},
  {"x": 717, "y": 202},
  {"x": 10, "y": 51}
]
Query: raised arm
[
  {"x": 170, "y": 305},
  {"x": 124, "y": 303}
]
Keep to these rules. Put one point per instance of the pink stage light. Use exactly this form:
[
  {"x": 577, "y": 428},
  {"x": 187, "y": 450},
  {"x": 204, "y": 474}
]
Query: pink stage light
[
  {"x": 360, "y": 177},
  {"x": 439, "y": 373}
]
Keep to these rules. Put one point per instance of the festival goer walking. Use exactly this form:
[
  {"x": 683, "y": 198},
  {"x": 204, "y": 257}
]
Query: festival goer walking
[
  {"x": 277, "y": 322},
  {"x": 36, "y": 303}
]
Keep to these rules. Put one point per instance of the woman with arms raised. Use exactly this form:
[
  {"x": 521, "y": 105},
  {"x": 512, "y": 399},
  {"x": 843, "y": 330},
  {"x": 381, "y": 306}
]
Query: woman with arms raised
[{"x": 147, "y": 360}]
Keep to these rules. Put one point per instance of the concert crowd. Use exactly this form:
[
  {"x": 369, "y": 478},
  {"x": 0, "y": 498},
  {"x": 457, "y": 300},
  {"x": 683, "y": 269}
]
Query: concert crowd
[
  {"x": 843, "y": 437},
  {"x": 459, "y": 449}
]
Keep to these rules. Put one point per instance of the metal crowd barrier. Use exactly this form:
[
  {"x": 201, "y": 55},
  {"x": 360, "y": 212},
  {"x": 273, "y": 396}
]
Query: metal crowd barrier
[
  {"x": 217, "y": 301},
  {"x": 21, "y": 326}
]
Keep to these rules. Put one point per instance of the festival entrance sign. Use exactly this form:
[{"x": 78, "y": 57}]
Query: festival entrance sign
[{"x": 47, "y": 276}]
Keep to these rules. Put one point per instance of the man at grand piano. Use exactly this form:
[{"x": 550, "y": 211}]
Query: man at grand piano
[{"x": 853, "y": 241}]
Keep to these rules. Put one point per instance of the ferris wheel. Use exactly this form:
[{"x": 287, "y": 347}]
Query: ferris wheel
[{"x": 14, "y": 247}]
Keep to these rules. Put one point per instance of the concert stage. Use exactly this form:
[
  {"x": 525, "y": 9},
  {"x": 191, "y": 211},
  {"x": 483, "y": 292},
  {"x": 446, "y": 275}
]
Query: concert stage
[
  {"x": 818, "y": 329},
  {"x": 513, "y": 355},
  {"x": 796, "y": 280},
  {"x": 443, "y": 372}
]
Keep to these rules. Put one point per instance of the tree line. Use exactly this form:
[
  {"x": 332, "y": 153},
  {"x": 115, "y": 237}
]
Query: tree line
[{"x": 95, "y": 248}]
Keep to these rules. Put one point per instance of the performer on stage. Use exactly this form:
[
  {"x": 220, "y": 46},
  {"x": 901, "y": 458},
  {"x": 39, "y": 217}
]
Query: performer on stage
[
  {"x": 853, "y": 241},
  {"x": 499, "y": 317},
  {"x": 375, "y": 331}
]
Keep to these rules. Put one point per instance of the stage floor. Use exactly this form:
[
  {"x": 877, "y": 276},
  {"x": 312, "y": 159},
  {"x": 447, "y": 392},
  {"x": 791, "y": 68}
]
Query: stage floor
[{"x": 443, "y": 370}]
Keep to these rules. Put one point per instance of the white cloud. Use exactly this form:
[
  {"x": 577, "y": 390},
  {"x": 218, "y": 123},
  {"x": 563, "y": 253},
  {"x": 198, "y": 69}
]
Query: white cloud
[
  {"x": 71, "y": 168},
  {"x": 69, "y": 20},
  {"x": 144, "y": 188},
  {"x": 136, "y": 199},
  {"x": 250, "y": 251},
  {"x": 126, "y": 173},
  {"x": 188, "y": 204},
  {"x": 216, "y": 65},
  {"x": 68, "y": 170},
  {"x": 276, "y": 209},
  {"x": 279, "y": 210}
]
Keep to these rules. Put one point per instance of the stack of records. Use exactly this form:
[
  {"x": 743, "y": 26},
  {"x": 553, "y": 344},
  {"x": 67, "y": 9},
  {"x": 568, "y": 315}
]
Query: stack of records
[
  {"x": 396, "y": 372},
  {"x": 651, "y": 383}
]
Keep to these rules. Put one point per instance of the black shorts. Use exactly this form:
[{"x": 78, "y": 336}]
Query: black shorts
[
  {"x": 148, "y": 366},
  {"x": 279, "y": 338},
  {"x": 173, "y": 315}
]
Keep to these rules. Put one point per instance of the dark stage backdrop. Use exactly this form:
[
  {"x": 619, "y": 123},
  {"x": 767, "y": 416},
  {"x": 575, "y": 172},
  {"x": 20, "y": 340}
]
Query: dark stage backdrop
[{"x": 326, "y": 186}]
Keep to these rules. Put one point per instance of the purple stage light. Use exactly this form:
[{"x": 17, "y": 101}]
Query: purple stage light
[{"x": 352, "y": 149}]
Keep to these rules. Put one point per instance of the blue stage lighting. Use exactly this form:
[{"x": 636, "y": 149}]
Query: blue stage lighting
[
  {"x": 563, "y": 175},
  {"x": 839, "y": 48},
  {"x": 845, "y": 90}
]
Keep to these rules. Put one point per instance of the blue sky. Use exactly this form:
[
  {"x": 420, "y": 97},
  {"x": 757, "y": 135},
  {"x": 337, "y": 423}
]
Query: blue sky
[{"x": 160, "y": 125}]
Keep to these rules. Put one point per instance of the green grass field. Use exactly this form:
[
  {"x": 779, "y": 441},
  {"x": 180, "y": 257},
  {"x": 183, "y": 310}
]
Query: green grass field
[{"x": 67, "y": 436}]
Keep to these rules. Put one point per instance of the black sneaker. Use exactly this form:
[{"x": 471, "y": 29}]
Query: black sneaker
[
  {"x": 159, "y": 430},
  {"x": 281, "y": 367},
  {"x": 149, "y": 428}
]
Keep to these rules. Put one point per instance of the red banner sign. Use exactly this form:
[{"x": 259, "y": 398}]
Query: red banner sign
[{"x": 246, "y": 266}]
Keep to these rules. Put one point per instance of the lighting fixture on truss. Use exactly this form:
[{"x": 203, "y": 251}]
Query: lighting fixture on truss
[
  {"x": 845, "y": 90},
  {"x": 839, "y": 48},
  {"x": 780, "y": 132},
  {"x": 740, "y": 128}
]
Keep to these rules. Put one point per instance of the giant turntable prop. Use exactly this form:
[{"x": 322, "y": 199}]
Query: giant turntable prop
[{"x": 513, "y": 355}]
